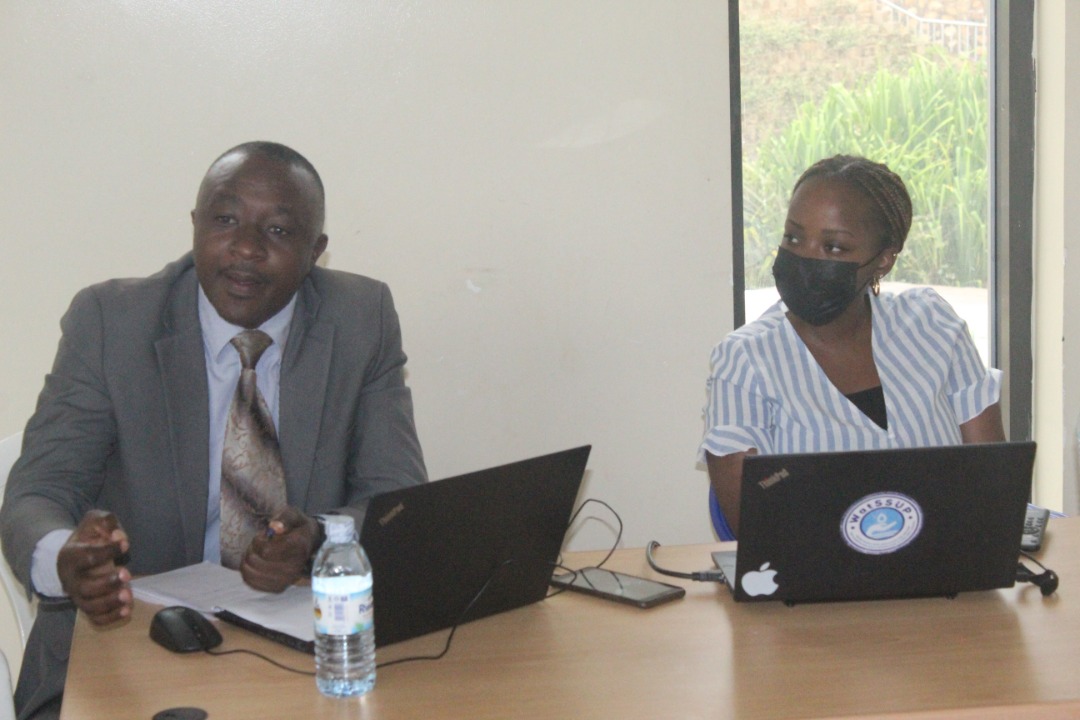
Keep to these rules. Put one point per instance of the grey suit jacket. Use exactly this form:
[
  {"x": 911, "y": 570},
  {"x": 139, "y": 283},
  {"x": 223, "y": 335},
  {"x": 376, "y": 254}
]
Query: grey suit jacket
[{"x": 122, "y": 422}]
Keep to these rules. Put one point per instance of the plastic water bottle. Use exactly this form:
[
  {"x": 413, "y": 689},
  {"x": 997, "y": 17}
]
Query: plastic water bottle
[{"x": 344, "y": 628}]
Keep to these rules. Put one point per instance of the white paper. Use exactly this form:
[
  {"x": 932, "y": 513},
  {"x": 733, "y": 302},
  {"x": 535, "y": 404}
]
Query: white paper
[{"x": 208, "y": 587}]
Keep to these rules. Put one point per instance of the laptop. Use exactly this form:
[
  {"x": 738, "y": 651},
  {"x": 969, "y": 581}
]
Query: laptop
[
  {"x": 490, "y": 538},
  {"x": 876, "y": 524}
]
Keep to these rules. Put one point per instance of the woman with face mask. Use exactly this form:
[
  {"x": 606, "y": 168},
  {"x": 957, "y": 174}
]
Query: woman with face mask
[{"x": 835, "y": 365}]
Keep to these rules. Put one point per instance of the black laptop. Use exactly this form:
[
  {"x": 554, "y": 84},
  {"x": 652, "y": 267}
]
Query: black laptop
[
  {"x": 490, "y": 538},
  {"x": 880, "y": 523}
]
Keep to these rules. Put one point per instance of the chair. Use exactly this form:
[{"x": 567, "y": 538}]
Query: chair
[
  {"x": 21, "y": 610},
  {"x": 7, "y": 702}
]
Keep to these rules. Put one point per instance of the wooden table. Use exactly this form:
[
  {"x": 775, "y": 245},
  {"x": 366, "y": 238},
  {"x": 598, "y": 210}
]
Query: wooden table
[{"x": 1000, "y": 654}]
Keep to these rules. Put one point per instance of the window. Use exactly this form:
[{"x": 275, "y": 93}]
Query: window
[{"x": 910, "y": 83}]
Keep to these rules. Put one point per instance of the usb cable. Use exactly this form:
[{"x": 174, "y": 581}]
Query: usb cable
[{"x": 716, "y": 575}]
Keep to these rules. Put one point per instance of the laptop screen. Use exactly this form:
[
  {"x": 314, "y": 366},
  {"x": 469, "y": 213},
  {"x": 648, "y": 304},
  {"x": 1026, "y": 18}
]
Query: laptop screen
[{"x": 485, "y": 542}]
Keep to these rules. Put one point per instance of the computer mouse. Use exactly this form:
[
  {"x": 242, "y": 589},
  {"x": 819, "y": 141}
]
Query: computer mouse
[{"x": 183, "y": 630}]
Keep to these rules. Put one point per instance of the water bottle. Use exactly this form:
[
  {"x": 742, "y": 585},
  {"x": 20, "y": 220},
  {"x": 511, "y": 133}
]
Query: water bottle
[{"x": 344, "y": 627}]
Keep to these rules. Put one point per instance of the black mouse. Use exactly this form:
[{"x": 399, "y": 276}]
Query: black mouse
[{"x": 183, "y": 630}]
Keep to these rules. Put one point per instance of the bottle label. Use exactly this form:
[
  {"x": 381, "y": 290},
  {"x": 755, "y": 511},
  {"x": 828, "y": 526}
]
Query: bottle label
[{"x": 343, "y": 605}]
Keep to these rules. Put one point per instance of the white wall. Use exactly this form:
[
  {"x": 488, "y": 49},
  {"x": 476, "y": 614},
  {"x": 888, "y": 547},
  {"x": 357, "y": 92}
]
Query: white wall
[
  {"x": 1049, "y": 256},
  {"x": 543, "y": 183},
  {"x": 1057, "y": 249},
  {"x": 1068, "y": 235}
]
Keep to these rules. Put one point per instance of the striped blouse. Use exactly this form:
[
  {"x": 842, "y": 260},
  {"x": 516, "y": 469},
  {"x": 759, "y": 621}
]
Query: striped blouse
[{"x": 767, "y": 391}]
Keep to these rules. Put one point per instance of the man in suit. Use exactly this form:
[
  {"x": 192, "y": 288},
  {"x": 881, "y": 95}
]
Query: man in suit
[{"x": 121, "y": 470}]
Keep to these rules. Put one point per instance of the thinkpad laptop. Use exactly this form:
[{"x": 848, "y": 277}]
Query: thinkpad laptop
[
  {"x": 880, "y": 523},
  {"x": 490, "y": 538}
]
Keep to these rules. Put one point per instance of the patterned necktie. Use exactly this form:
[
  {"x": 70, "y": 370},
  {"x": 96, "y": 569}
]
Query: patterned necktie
[{"x": 252, "y": 477}]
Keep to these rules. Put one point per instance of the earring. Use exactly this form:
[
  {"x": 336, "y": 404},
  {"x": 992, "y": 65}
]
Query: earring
[{"x": 875, "y": 285}]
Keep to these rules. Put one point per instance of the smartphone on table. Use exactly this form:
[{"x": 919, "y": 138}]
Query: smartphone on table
[{"x": 618, "y": 586}]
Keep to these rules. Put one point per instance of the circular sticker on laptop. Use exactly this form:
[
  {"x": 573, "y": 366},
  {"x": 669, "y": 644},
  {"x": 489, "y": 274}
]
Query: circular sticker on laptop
[{"x": 881, "y": 523}]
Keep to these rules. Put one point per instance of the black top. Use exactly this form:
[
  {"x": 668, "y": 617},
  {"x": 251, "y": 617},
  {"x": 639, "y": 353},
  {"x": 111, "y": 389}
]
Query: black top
[{"x": 872, "y": 404}]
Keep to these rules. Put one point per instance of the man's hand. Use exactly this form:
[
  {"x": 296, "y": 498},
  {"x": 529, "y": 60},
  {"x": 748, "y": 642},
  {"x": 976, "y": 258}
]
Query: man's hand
[
  {"x": 278, "y": 558},
  {"x": 89, "y": 572}
]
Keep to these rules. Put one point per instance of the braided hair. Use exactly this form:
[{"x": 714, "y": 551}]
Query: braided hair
[{"x": 885, "y": 189}]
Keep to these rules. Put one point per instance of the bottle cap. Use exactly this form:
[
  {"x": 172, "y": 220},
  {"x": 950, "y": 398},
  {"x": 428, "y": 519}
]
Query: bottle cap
[{"x": 339, "y": 528}]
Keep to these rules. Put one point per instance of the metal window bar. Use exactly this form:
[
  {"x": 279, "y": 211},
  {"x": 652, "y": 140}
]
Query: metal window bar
[{"x": 962, "y": 37}]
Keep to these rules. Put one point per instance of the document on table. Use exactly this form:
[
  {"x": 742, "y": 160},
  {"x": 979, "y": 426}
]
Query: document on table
[{"x": 211, "y": 588}]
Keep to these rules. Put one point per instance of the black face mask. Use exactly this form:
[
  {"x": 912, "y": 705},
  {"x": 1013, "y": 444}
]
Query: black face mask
[{"x": 817, "y": 291}]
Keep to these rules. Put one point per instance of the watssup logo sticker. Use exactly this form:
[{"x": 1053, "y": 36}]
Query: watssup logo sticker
[{"x": 881, "y": 523}]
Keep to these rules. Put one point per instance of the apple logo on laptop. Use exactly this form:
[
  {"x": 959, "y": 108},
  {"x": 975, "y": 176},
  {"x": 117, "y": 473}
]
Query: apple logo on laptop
[{"x": 759, "y": 582}]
